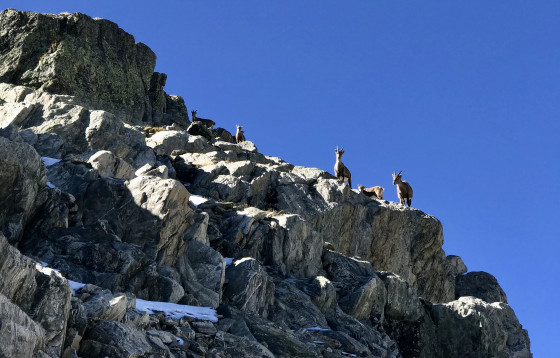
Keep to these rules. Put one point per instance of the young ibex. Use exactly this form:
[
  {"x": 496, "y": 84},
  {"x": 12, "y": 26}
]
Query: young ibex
[
  {"x": 373, "y": 192},
  {"x": 149, "y": 130},
  {"x": 340, "y": 170},
  {"x": 404, "y": 190},
  {"x": 240, "y": 135},
  {"x": 207, "y": 122}
]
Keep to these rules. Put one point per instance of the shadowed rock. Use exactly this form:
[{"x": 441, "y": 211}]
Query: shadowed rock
[
  {"x": 114, "y": 339},
  {"x": 458, "y": 267},
  {"x": 23, "y": 186},
  {"x": 43, "y": 296},
  {"x": 470, "y": 327},
  {"x": 249, "y": 287},
  {"x": 480, "y": 285}
]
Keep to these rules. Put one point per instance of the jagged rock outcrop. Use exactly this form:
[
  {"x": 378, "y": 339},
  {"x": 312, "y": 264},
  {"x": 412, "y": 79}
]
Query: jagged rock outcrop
[
  {"x": 294, "y": 262},
  {"x": 249, "y": 288},
  {"x": 35, "y": 304},
  {"x": 321, "y": 207},
  {"x": 480, "y": 285},
  {"x": 458, "y": 267},
  {"x": 470, "y": 327},
  {"x": 113, "y": 72},
  {"x": 22, "y": 186}
]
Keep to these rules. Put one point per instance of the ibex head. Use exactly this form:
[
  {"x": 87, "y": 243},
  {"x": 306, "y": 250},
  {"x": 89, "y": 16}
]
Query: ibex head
[
  {"x": 397, "y": 178},
  {"x": 339, "y": 152},
  {"x": 193, "y": 113},
  {"x": 239, "y": 127}
]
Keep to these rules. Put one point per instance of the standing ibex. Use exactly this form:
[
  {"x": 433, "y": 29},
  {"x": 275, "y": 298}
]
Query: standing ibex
[
  {"x": 239, "y": 136},
  {"x": 373, "y": 192},
  {"x": 207, "y": 122},
  {"x": 404, "y": 190},
  {"x": 340, "y": 170}
]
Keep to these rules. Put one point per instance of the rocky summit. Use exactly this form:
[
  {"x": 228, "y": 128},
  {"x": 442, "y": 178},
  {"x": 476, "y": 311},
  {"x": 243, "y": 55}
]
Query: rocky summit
[{"x": 128, "y": 231}]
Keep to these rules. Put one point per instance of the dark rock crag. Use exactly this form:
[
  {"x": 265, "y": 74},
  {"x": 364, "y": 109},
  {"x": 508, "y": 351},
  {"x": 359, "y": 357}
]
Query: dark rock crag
[
  {"x": 113, "y": 72},
  {"x": 294, "y": 262}
]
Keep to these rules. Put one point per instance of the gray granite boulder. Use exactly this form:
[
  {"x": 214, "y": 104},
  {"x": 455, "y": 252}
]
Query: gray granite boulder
[
  {"x": 165, "y": 142},
  {"x": 458, "y": 267},
  {"x": 42, "y": 295},
  {"x": 110, "y": 166},
  {"x": 114, "y": 339},
  {"x": 403, "y": 302},
  {"x": 202, "y": 272},
  {"x": 470, "y": 327},
  {"x": 293, "y": 308},
  {"x": 23, "y": 188},
  {"x": 320, "y": 290},
  {"x": 249, "y": 287},
  {"x": 480, "y": 285},
  {"x": 17, "y": 326},
  {"x": 114, "y": 74}
]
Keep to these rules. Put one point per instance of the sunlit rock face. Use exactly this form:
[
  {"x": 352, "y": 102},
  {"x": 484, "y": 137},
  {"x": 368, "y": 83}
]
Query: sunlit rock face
[
  {"x": 127, "y": 233},
  {"x": 471, "y": 327},
  {"x": 92, "y": 59}
]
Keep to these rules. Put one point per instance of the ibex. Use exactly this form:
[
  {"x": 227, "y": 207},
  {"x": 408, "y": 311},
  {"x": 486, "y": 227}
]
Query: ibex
[
  {"x": 340, "y": 170},
  {"x": 207, "y": 122},
  {"x": 404, "y": 190},
  {"x": 148, "y": 130},
  {"x": 373, "y": 192},
  {"x": 240, "y": 135}
]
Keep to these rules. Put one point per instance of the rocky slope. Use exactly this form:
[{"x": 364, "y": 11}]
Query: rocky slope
[{"x": 294, "y": 262}]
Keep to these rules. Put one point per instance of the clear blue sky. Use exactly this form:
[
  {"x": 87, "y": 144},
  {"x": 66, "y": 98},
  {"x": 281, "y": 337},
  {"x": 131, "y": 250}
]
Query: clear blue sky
[{"x": 464, "y": 97}]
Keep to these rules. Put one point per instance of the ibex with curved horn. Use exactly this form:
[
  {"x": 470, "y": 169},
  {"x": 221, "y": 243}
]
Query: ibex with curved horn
[
  {"x": 340, "y": 170},
  {"x": 207, "y": 122},
  {"x": 404, "y": 190}
]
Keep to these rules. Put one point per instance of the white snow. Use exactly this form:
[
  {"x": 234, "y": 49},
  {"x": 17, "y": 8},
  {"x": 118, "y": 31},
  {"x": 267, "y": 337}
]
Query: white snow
[
  {"x": 237, "y": 262},
  {"x": 180, "y": 341},
  {"x": 177, "y": 311},
  {"x": 49, "y": 161},
  {"x": 116, "y": 300},
  {"x": 320, "y": 329},
  {"x": 322, "y": 280},
  {"x": 228, "y": 260},
  {"x": 172, "y": 310},
  {"x": 47, "y": 271},
  {"x": 50, "y": 185},
  {"x": 196, "y": 200},
  {"x": 75, "y": 286},
  {"x": 318, "y": 342}
]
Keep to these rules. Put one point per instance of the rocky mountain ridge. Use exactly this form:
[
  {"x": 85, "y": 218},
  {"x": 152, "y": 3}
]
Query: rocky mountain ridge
[{"x": 295, "y": 263}]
